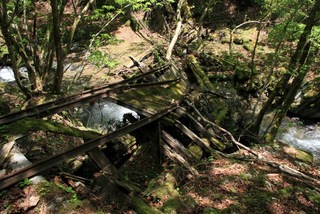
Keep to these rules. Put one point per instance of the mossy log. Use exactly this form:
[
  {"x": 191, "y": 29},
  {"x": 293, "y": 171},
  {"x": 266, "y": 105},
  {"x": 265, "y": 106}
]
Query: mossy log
[
  {"x": 141, "y": 207},
  {"x": 200, "y": 75},
  {"x": 28, "y": 125}
]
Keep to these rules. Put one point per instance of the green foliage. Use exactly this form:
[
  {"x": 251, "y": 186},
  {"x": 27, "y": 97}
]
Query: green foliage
[
  {"x": 237, "y": 63},
  {"x": 99, "y": 59},
  {"x": 24, "y": 183},
  {"x": 278, "y": 32},
  {"x": 45, "y": 188},
  {"x": 284, "y": 8},
  {"x": 315, "y": 37},
  {"x": 68, "y": 189},
  {"x": 103, "y": 13},
  {"x": 3, "y": 51}
]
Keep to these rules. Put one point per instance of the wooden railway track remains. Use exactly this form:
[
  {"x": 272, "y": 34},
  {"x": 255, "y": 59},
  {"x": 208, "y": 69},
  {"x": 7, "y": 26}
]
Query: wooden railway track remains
[
  {"x": 95, "y": 93},
  {"x": 87, "y": 96},
  {"x": 36, "y": 168}
]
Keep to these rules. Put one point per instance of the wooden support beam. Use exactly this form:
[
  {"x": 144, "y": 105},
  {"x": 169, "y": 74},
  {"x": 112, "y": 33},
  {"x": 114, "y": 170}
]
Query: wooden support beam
[
  {"x": 199, "y": 127},
  {"x": 103, "y": 162},
  {"x": 204, "y": 145},
  {"x": 177, "y": 146},
  {"x": 175, "y": 157}
]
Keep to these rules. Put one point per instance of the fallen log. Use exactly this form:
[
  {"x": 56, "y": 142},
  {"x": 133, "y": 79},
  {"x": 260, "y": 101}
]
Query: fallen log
[{"x": 200, "y": 75}]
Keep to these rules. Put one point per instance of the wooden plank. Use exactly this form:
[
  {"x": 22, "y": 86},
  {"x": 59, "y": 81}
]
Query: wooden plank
[
  {"x": 175, "y": 157},
  {"x": 103, "y": 162},
  {"x": 193, "y": 136},
  {"x": 177, "y": 146},
  {"x": 87, "y": 96}
]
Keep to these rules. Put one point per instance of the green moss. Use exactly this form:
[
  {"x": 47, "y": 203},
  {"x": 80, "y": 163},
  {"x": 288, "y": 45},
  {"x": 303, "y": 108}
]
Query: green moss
[
  {"x": 49, "y": 191},
  {"x": 285, "y": 192},
  {"x": 154, "y": 98},
  {"x": 314, "y": 196},
  {"x": 248, "y": 46},
  {"x": 175, "y": 205},
  {"x": 257, "y": 200},
  {"x": 196, "y": 151},
  {"x": 141, "y": 207},
  {"x": 245, "y": 176},
  {"x": 209, "y": 210},
  {"x": 217, "y": 143},
  {"x": 162, "y": 186},
  {"x": 304, "y": 156},
  {"x": 28, "y": 125}
]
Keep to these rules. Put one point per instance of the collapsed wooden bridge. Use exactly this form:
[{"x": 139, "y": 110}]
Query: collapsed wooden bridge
[{"x": 156, "y": 94}]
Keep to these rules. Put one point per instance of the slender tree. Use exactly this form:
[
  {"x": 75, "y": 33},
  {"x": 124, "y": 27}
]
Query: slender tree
[{"x": 297, "y": 70}]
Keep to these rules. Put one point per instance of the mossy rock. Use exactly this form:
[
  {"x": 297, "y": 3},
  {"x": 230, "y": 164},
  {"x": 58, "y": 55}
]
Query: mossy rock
[
  {"x": 162, "y": 186},
  {"x": 304, "y": 156},
  {"x": 301, "y": 155},
  {"x": 179, "y": 204}
]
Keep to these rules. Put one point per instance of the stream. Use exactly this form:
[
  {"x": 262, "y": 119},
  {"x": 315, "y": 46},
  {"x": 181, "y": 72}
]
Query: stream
[
  {"x": 6, "y": 74},
  {"x": 300, "y": 134},
  {"x": 105, "y": 115}
]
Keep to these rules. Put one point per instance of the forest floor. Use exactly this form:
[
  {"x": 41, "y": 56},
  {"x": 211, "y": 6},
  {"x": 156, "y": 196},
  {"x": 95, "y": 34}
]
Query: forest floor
[{"x": 240, "y": 183}]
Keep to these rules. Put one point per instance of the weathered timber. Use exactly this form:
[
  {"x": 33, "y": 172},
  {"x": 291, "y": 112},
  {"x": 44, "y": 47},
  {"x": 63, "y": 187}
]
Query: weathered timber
[
  {"x": 204, "y": 145},
  {"x": 103, "y": 162},
  {"x": 175, "y": 157},
  {"x": 199, "y": 127},
  {"x": 38, "y": 167},
  {"x": 177, "y": 146},
  {"x": 142, "y": 67},
  {"x": 6, "y": 148},
  {"x": 234, "y": 141}
]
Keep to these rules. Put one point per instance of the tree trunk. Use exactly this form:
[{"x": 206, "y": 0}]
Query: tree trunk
[
  {"x": 6, "y": 35},
  {"x": 289, "y": 98},
  {"x": 58, "y": 46}
]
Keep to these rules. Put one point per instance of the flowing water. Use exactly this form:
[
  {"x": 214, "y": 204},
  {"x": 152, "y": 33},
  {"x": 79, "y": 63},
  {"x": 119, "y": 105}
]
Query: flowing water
[
  {"x": 105, "y": 115},
  {"x": 300, "y": 134},
  {"x": 6, "y": 74}
]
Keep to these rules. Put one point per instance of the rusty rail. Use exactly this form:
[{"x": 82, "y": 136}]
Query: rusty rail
[{"x": 58, "y": 105}]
